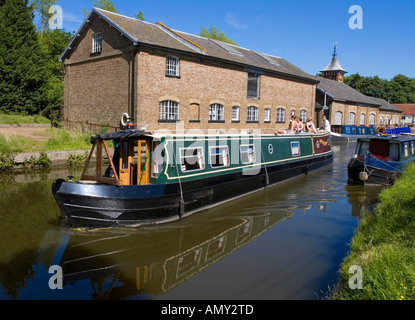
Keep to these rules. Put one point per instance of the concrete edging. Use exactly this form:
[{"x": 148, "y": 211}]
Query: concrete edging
[{"x": 53, "y": 156}]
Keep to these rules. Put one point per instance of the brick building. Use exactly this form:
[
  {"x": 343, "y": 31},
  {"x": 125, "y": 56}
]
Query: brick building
[
  {"x": 408, "y": 113},
  {"x": 344, "y": 105},
  {"x": 159, "y": 76}
]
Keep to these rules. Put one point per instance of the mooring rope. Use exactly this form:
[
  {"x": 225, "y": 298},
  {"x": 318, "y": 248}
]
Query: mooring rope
[{"x": 387, "y": 164}]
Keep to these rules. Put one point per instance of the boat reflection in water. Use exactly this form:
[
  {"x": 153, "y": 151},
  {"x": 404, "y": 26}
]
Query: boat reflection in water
[{"x": 154, "y": 260}]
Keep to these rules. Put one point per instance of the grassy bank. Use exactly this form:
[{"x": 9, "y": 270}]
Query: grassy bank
[
  {"x": 51, "y": 139},
  {"x": 384, "y": 248},
  {"x": 20, "y": 119}
]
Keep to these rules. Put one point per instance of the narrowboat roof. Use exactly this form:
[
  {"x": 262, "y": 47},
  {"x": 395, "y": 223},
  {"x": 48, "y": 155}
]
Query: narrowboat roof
[
  {"x": 135, "y": 133},
  {"x": 124, "y": 134},
  {"x": 401, "y": 138}
]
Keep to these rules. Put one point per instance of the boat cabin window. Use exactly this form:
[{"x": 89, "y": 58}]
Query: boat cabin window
[
  {"x": 191, "y": 159},
  {"x": 219, "y": 156},
  {"x": 406, "y": 146},
  {"x": 394, "y": 152},
  {"x": 364, "y": 148},
  {"x": 247, "y": 154},
  {"x": 413, "y": 147}
]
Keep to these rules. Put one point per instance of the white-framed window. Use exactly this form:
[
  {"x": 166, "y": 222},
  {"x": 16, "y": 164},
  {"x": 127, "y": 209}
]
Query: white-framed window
[
  {"x": 381, "y": 120},
  {"x": 235, "y": 113},
  {"x": 169, "y": 110},
  {"x": 247, "y": 154},
  {"x": 387, "y": 121},
  {"x": 372, "y": 119},
  {"x": 191, "y": 159},
  {"x": 97, "y": 43},
  {"x": 216, "y": 112},
  {"x": 362, "y": 119},
  {"x": 252, "y": 114},
  {"x": 172, "y": 66},
  {"x": 303, "y": 116},
  {"x": 338, "y": 118},
  {"x": 219, "y": 156},
  {"x": 280, "y": 115},
  {"x": 295, "y": 148},
  {"x": 253, "y": 85},
  {"x": 267, "y": 115},
  {"x": 351, "y": 120}
]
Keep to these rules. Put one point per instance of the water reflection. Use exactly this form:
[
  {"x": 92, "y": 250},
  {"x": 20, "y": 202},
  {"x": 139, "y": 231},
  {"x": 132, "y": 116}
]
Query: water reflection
[
  {"x": 155, "y": 260},
  {"x": 285, "y": 242}
]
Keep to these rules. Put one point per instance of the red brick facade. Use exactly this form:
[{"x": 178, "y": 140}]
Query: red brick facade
[{"x": 100, "y": 87}]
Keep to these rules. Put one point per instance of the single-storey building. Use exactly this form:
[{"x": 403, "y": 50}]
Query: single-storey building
[
  {"x": 343, "y": 105},
  {"x": 161, "y": 77}
]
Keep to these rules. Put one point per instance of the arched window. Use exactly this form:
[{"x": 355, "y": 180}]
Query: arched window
[
  {"x": 338, "y": 118},
  {"x": 168, "y": 110},
  {"x": 351, "y": 120},
  {"x": 216, "y": 112},
  {"x": 381, "y": 120},
  {"x": 303, "y": 116},
  {"x": 267, "y": 115},
  {"x": 372, "y": 119},
  {"x": 280, "y": 115},
  {"x": 362, "y": 119},
  {"x": 252, "y": 114},
  {"x": 235, "y": 113}
]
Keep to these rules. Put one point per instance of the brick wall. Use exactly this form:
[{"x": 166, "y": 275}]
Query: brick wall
[{"x": 98, "y": 88}]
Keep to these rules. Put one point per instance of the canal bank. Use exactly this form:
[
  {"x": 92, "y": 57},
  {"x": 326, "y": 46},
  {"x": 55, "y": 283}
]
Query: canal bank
[{"x": 381, "y": 263}]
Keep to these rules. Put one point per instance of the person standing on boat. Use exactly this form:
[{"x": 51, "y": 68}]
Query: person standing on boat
[{"x": 326, "y": 125}]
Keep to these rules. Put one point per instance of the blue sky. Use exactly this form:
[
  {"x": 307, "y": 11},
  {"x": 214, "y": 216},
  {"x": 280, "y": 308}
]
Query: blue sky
[{"x": 301, "y": 31}]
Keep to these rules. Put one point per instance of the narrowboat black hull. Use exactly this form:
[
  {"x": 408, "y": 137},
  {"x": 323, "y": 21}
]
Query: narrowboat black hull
[{"x": 100, "y": 205}]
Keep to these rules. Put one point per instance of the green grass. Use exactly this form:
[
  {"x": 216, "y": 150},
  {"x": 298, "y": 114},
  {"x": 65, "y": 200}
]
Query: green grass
[
  {"x": 384, "y": 247},
  {"x": 20, "y": 119}
]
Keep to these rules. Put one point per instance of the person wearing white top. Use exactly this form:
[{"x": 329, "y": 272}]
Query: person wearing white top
[{"x": 326, "y": 125}]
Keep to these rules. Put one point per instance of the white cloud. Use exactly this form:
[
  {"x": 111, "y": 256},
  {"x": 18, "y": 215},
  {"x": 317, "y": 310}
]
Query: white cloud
[{"x": 234, "y": 22}]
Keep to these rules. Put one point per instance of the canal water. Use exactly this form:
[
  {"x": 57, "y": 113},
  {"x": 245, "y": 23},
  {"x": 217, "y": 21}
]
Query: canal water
[{"x": 285, "y": 242}]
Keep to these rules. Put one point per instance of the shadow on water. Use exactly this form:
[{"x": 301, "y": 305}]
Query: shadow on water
[{"x": 285, "y": 242}]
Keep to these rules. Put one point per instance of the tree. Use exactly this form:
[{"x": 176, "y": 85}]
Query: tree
[
  {"x": 103, "y": 4},
  {"x": 41, "y": 7},
  {"x": 24, "y": 69},
  {"x": 214, "y": 33},
  {"x": 54, "y": 43},
  {"x": 139, "y": 16}
]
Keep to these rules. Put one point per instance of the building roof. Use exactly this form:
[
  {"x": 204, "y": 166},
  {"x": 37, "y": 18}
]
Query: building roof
[
  {"x": 334, "y": 65},
  {"x": 340, "y": 91},
  {"x": 407, "y": 108},
  {"x": 159, "y": 35}
]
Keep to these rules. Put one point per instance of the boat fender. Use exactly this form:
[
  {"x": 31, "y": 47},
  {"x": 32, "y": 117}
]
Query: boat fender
[
  {"x": 124, "y": 119},
  {"x": 363, "y": 176}
]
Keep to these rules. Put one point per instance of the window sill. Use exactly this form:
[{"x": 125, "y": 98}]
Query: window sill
[
  {"x": 160, "y": 120},
  {"x": 280, "y": 122},
  {"x": 216, "y": 121},
  {"x": 95, "y": 54},
  {"x": 267, "y": 121},
  {"x": 172, "y": 76},
  {"x": 236, "y": 121},
  {"x": 194, "y": 121},
  {"x": 247, "y": 121}
]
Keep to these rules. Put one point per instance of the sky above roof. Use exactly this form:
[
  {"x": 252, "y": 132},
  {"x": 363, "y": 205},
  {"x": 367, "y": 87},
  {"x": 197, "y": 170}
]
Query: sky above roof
[{"x": 374, "y": 38}]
